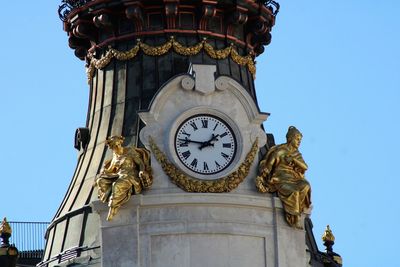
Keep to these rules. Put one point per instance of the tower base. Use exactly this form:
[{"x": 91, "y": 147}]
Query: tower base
[{"x": 193, "y": 230}]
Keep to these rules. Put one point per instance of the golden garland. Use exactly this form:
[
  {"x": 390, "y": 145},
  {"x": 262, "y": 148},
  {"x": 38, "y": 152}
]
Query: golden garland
[
  {"x": 165, "y": 48},
  {"x": 224, "y": 184}
]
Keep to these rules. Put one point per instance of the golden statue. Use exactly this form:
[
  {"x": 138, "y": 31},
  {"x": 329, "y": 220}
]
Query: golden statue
[
  {"x": 127, "y": 172},
  {"x": 282, "y": 171}
]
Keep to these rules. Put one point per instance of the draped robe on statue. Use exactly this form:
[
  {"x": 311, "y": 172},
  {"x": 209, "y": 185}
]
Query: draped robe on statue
[{"x": 287, "y": 179}]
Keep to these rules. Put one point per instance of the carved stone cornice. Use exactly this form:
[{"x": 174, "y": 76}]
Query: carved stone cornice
[
  {"x": 238, "y": 16},
  {"x": 171, "y": 12},
  {"x": 134, "y": 12},
  {"x": 93, "y": 25},
  {"x": 208, "y": 11}
]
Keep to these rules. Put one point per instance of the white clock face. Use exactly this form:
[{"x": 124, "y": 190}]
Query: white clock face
[{"x": 205, "y": 144}]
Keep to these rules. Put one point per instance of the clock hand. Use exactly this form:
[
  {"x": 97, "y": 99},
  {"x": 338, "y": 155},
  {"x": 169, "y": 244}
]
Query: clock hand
[
  {"x": 208, "y": 143},
  {"x": 214, "y": 137},
  {"x": 186, "y": 140}
]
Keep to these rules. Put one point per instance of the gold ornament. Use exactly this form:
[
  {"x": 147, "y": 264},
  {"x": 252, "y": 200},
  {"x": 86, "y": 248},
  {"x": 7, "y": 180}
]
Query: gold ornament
[
  {"x": 328, "y": 235},
  {"x": 282, "y": 170},
  {"x": 160, "y": 50},
  {"x": 217, "y": 54},
  {"x": 155, "y": 50},
  {"x": 187, "y": 51},
  {"x": 5, "y": 227},
  {"x": 125, "y": 55},
  {"x": 224, "y": 184},
  {"x": 128, "y": 170}
]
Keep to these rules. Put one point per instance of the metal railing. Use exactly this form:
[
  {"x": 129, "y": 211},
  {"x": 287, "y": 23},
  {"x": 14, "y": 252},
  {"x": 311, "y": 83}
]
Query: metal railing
[
  {"x": 28, "y": 236},
  {"x": 68, "y": 5}
]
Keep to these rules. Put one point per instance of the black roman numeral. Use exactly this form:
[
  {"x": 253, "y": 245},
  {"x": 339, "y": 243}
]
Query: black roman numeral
[
  {"x": 224, "y": 155},
  {"x": 185, "y": 133},
  {"x": 224, "y": 134},
  {"x": 215, "y": 127},
  {"x": 217, "y": 165},
  {"x": 204, "y": 123},
  {"x": 205, "y": 166},
  {"x": 193, "y": 124},
  {"x": 194, "y": 163},
  {"x": 186, "y": 154},
  {"x": 183, "y": 144},
  {"x": 227, "y": 145}
]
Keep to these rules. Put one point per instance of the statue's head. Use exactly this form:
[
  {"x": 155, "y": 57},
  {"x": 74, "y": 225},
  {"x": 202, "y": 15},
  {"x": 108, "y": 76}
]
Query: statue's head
[
  {"x": 293, "y": 136},
  {"x": 114, "y": 140}
]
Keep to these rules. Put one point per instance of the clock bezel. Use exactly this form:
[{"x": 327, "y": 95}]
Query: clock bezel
[{"x": 204, "y": 111}]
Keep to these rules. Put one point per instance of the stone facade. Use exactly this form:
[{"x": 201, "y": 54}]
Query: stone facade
[{"x": 182, "y": 230}]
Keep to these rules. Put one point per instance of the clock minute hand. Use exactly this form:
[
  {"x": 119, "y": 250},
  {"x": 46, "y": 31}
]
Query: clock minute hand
[{"x": 186, "y": 140}]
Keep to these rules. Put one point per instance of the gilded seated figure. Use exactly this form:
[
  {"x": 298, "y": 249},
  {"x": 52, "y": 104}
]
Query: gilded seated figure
[
  {"x": 127, "y": 172},
  {"x": 282, "y": 171}
]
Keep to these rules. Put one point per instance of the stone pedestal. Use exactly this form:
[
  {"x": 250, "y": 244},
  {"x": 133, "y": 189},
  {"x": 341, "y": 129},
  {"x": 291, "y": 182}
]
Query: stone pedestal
[{"x": 193, "y": 230}]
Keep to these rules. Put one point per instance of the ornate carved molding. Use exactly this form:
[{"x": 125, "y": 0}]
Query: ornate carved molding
[
  {"x": 209, "y": 11},
  {"x": 171, "y": 12},
  {"x": 112, "y": 53},
  {"x": 189, "y": 184},
  {"x": 135, "y": 12},
  {"x": 101, "y": 22},
  {"x": 237, "y": 17}
]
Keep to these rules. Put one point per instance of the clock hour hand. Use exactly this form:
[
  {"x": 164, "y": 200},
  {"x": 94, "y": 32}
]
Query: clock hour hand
[
  {"x": 213, "y": 137},
  {"x": 208, "y": 143}
]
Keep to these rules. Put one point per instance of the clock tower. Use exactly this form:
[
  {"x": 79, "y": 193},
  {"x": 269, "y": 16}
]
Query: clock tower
[{"x": 175, "y": 78}]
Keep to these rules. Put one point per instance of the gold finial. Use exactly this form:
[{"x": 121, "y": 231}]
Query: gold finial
[
  {"x": 5, "y": 227},
  {"x": 328, "y": 235}
]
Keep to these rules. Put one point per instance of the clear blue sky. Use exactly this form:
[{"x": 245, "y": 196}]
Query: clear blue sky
[{"x": 332, "y": 70}]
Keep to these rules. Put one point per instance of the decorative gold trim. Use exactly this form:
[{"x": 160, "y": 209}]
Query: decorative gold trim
[
  {"x": 155, "y": 50},
  {"x": 328, "y": 235},
  {"x": 224, "y": 184},
  {"x": 5, "y": 227},
  {"x": 165, "y": 48}
]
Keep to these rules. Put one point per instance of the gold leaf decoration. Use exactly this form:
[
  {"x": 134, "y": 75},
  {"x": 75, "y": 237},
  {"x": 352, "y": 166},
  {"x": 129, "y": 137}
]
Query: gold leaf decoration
[
  {"x": 160, "y": 50},
  {"x": 187, "y": 51},
  {"x": 217, "y": 54},
  {"x": 125, "y": 55},
  {"x": 189, "y": 184},
  {"x": 155, "y": 50}
]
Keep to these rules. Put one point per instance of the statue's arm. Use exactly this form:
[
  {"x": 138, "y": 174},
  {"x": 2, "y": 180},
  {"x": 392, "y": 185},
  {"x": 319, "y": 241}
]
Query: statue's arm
[
  {"x": 107, "y": 171},
  {"x": 141, "y": 158},
  {"x": 299, "y": 162},
  {"x": 267, "y": 164},
  {"x": 106, "y": 167},
  {"x": 265, "y": 168},
  {"x": 137, "y": 158}
]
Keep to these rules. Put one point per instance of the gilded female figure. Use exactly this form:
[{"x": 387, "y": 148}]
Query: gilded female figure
[
  {"x": 127, "y": 172},
  {"x": 282, "y": 171}
]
